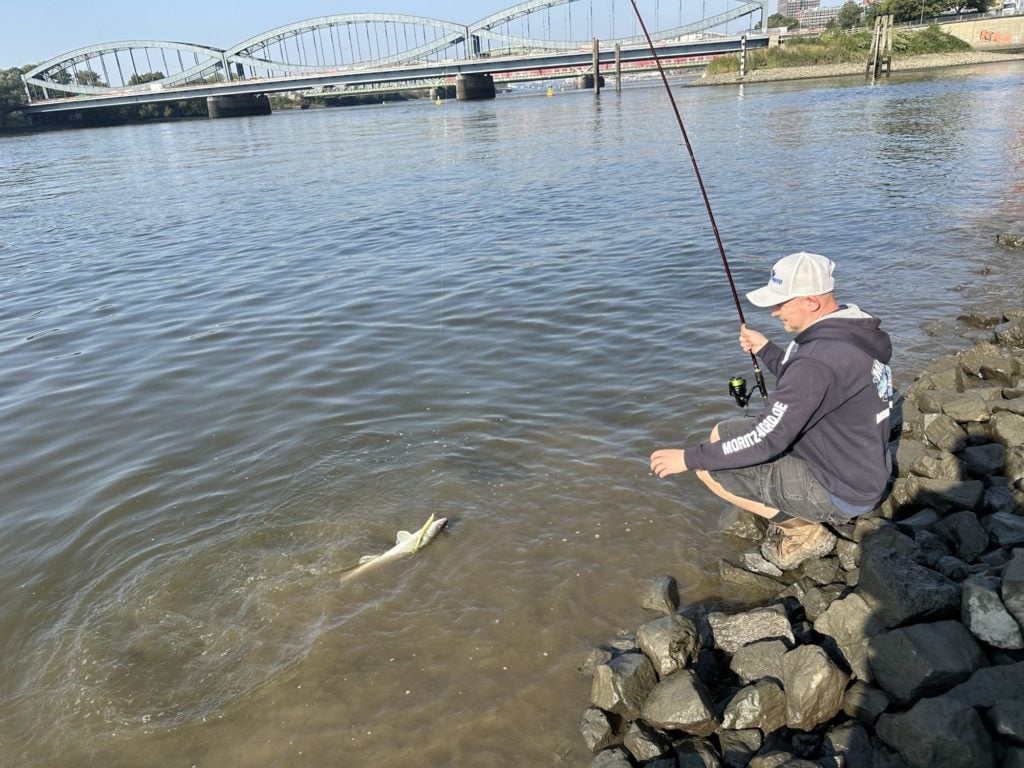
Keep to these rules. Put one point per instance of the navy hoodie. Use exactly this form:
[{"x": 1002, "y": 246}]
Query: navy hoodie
[{"x": 830, "y": 408}]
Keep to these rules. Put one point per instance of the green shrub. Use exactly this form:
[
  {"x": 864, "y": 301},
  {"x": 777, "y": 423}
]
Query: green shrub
[{"x": 839, "y": 48}]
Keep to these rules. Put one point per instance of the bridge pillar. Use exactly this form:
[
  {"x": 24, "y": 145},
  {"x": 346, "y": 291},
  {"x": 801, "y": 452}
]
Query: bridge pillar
[
  {"x": 443, "y": 92},
  {"x": 585, "y": 82},
  {"x": 474, "y": 87},
  {"x": 240, "y": 105}
]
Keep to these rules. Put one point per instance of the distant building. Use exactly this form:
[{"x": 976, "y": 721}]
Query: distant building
[
  {"x": 817, "y": 17},
  {"x": 794, "y": 7}
]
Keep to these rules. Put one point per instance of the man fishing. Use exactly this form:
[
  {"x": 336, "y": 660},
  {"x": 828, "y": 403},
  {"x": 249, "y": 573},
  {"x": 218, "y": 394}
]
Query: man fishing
[{"x": 820, "y": 452}]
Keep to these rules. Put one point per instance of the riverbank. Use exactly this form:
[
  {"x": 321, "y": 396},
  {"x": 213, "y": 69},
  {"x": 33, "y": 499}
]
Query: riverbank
[
  {"x": 903, "y": 647},
  {"x": 902, "y": 64}
]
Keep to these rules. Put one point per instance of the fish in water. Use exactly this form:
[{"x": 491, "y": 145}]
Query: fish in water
[{"x": 405, "y": 544}]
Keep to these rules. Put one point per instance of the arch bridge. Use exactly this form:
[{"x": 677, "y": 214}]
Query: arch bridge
[{"x": 345, "y": 43}]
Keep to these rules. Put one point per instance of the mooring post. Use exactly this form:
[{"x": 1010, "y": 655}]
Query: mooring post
[
  {"x": 618, "y": 68},
  {"x": 597, "y": 70}
]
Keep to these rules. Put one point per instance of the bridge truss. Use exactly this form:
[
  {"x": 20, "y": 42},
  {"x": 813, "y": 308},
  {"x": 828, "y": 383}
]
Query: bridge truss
[{"x": 352, "y": 41}]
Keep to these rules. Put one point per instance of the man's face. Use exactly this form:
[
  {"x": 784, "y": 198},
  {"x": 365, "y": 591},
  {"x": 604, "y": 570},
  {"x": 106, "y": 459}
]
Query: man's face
[{"x": 797, "y": 313}]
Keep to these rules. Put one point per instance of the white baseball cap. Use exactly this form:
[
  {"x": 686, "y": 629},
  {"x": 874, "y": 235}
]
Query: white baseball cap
[{"x": 799, "y": 274}]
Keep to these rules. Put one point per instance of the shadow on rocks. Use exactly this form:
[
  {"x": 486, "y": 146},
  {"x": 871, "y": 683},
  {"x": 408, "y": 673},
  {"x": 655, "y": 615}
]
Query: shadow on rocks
[{"x": 903, "y": 647}]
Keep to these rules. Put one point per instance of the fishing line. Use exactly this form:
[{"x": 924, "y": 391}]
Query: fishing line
[{"x": 758, "y": 376}]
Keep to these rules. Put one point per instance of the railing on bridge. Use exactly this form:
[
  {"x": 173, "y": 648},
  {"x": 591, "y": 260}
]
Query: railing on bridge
[{"x": 341, "y": 42}]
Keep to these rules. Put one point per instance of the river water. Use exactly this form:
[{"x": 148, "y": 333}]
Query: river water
[{"x": 240, "y": 354}]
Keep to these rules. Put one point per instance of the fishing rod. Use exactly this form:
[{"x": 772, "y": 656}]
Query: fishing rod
[{"x": 737, "y": 384}]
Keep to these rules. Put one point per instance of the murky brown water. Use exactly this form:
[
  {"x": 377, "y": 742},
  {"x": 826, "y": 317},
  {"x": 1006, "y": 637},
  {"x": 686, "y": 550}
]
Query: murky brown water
[{"x": 239, "y": 355}]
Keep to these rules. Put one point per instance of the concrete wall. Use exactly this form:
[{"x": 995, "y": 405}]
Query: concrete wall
[{"x": 992, "y": 33}]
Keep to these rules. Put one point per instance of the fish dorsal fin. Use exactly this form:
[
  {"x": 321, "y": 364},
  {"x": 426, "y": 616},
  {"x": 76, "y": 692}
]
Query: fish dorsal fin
[
  {"x": 367, "y": 559},
  {"x": 402, "y": 537}
]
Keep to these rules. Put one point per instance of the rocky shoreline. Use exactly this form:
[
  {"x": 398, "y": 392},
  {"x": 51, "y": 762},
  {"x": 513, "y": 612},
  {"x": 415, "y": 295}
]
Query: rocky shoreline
[
  {"x": 904, "y": 647},
  {"x": 902, "y": 64}
]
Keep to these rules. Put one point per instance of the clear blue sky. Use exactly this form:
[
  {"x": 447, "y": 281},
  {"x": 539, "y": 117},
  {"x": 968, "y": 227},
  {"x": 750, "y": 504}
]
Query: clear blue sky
[{"x": 34, "y": 32}]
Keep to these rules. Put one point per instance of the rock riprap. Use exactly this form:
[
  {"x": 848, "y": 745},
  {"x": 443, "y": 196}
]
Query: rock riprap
[{"x": 904, "y": 647}]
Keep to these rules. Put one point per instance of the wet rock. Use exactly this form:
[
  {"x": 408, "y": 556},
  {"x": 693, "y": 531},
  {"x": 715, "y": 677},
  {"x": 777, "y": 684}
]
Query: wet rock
[
  {"x": 761, "y": 705},
  {"x": 671, "y": 643},
  {"x": 944, "y": 433},
  {"x": 888, "y": 539},
  {"x": 979, "y": 319},
  {"x": 739, "y": 746},
  {"x": 593, "y": 660},
  {"x": 850, "y": 622},
  {"x": 732, "y": 632},
  {"x": 680, "y": 702},
  {"x": 814, "y": 687},
  {"x": 662, "y": 595},
  {"x": 759, "y": 660},
  {"x": 1012, "y": 590},
  {"x": 964, "y": 534},
  {"x": 614, "y": 757},
  {"x": 822, "y": 570},
  {"x": 900, "y": 591},
  {"x": 985, "y": 615},
  {"x": 742, "y": 524},
  {"x": 923, "y": 659},
  {"x": 1010, "y": 240},
  {"x": 865, "y": 702},
  {"x": 1008, "y": 429},
  {"x": 953, "y": 568},
  {"x": 1005, "y": 529},
  {"x": 599, "y": 729},
  {"x": 746, "y": 580},
  {"x": 847, "y": 552},
  {"x": 939, "y": 732},
  {"x": 646, "y": 743},
  {"x": 1011, "y": 333},
  {"x": 981, "y": 461},
  {"x": 623, "y": 684},
  {"x": 990, "y": 684}
]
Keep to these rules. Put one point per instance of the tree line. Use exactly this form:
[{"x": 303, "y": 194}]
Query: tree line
[{"x": 853, "y": 14}]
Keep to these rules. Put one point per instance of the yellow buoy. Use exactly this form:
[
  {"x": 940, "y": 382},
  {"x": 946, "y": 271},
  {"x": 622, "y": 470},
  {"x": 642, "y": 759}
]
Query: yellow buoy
[
  {"x": 551, "y": 91},
  {"x": 439, "y": 102}
]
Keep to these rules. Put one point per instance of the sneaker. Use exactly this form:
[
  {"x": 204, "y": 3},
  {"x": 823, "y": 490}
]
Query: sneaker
[{"x": 788, "y": 547}]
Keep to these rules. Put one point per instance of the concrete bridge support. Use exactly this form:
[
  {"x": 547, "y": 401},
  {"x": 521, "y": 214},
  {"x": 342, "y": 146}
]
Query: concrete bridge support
[
  {"x": 474, "y": 87},
  {"x": 241, "y": 105},
  {"x": 584, "y": 82},
  {"x": 443, "y": 92}
]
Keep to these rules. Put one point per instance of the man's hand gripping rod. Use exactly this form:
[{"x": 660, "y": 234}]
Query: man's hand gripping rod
[{"x": 758, "y": 376}]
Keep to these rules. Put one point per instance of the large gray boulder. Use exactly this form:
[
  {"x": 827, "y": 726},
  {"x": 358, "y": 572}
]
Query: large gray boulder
[
  {"x": 1008, "y": 428},
  {"x": 990, "y": 684},
  {"x": 739, "y": 746},
  {"x": 1006, "y": 720},
  {"x": 983, "y": 612},
  {"x": 680, "y": 702},
  {"x": 968, "y": 406},
  {"x": 814, "y": 687},
  {"x": 661, "y": 595},
  {"x": 850, "y": 622},
  {"x": 761, "y": 705},
  {"x": 759, "y": 660},
  {"x": 732, "y": 631},
  {"x": 1013, "y": 586},
  {"x": 623, "y": 684},
  {"x": 1005, "y": 528},
  {"x": 949, "y": 495},
  {"x": 693, "y": 753},
  {"x": 964, "y": 534},
  {"x": 599, "y": 729},
  {"x": 852, "y": 743},
  {"x": 613, "y": 757},
  {"x": 944, "y": 433},
  {"x": 646, "y": 743},
  {"x": 671, "y": 643},
  {"x": 924, "y": 659},
  {"x": 865, "y": 702},
  {"x": 900, "y": 591},
  {"x": 939, "y": 732},
  {"x": 983, "y": 461}
]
